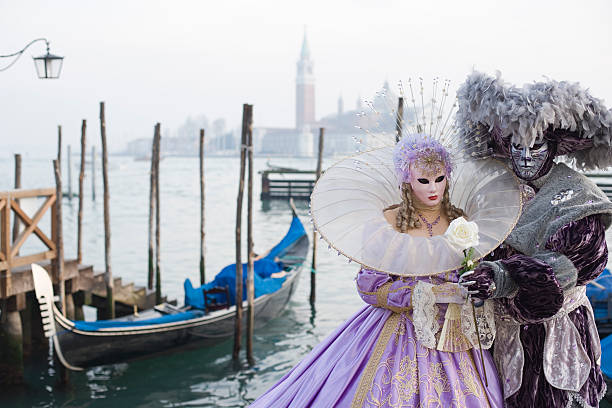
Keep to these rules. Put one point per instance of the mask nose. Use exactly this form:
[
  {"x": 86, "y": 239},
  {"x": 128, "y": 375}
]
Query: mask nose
[{"x": 526, "y": 156}]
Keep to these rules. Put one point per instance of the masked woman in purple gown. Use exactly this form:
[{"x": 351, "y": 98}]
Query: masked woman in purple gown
[{"x": 415, "y": 343}]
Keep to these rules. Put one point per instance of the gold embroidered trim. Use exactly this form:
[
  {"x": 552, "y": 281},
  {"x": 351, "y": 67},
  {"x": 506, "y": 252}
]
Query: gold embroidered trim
[
  {"x": 367, "y": 377},
  {"x": 482, "y": 387},
  {"x": 363, "y": 292},
  {"x": 382, "y": 294}
]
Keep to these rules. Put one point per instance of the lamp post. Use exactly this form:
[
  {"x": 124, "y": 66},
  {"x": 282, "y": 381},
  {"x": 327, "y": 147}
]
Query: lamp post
[{"x": 48, "y": 66}]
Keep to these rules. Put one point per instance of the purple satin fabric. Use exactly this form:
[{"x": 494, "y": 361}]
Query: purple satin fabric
[
  {"x": 329, "y": 375},
  {"x": 400, "y": 292}
]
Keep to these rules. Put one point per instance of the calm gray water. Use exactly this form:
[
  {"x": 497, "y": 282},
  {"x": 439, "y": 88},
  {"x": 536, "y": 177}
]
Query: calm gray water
[{"x": 204, "y": 377}]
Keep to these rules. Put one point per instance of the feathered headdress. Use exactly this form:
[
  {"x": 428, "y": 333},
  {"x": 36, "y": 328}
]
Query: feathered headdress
[{"x": 559, "y": 112}]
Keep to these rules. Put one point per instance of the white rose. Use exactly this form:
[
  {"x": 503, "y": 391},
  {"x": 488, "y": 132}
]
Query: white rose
[{"x": 462, "y": 234}]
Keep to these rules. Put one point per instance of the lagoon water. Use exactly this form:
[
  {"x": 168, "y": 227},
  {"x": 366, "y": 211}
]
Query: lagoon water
[{"x": 199, "y": 378}]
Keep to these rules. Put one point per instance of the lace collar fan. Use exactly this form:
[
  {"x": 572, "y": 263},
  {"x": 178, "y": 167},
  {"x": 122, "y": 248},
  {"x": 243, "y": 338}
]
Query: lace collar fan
[{"x": 348, "y": 200}]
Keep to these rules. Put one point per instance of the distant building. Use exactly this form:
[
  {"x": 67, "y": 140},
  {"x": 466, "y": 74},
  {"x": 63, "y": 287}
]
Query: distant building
[
  {"x": 341, "y": 136},
  {"x": 299, "y": 140},
  {"x": 286, "y": 142},
  {"x": 304, "y": 89}
]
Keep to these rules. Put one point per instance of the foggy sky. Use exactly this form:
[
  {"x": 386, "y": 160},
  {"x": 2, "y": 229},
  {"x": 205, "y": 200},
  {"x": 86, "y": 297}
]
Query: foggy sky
[{"x": 161, "y": 61}]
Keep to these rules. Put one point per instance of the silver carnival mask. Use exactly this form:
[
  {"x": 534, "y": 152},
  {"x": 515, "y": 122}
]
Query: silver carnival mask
[{"x": 528, "y": 161}]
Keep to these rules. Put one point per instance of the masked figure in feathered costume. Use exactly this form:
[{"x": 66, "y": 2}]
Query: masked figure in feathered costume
[{"x": 547, "y": 348}]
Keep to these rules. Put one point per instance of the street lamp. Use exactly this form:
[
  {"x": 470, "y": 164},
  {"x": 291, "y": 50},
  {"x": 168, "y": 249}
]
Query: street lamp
[{"x": 48, "y": 66}]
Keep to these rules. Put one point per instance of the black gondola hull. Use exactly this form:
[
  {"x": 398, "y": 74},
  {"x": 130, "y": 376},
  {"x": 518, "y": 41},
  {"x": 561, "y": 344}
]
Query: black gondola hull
[{"x": 87, "y": 349}]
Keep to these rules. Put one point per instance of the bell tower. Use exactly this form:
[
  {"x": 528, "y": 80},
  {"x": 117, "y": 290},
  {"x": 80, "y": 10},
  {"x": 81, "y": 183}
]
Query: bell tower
[{"x": 304, "y": 88}]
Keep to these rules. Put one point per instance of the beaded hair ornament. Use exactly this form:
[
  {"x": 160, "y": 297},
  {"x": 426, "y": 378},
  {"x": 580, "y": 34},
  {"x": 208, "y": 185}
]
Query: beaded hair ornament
[{"x": 421, "y": 151}]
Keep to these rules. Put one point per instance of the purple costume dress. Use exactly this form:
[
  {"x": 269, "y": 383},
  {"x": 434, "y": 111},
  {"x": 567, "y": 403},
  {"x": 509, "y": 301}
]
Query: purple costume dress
[{"x": 377, "y": 358}]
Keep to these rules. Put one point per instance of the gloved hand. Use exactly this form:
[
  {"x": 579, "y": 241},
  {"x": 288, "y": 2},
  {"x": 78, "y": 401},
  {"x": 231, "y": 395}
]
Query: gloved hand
[{"x": 479, "y": 283}]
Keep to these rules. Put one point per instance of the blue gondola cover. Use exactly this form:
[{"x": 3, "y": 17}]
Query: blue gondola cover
[
  {"x": 263, "y": 284},
  {"x": 296, "y": 231},
  {"x": 106, "y": 324},
  {"x": 263, "y": 268},
  {"x": 606, "y": 356},
  {"x": 599, "y": 296}
]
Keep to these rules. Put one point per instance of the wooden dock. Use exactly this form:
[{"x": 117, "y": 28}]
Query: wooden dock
[
  {"x": 602, "y": 179},
  {"x": 287, "y": 183},
  {"x": 20, "y": 324}
]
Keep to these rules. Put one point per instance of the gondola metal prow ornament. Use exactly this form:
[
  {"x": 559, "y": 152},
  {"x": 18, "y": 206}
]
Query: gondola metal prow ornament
[{"x": 44, "y": 293}]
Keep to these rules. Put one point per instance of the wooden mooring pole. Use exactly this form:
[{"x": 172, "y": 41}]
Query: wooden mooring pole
[
  {"x": 69, "y": 172},
  {"x": 59, "y": 150},
  {"x": 151, "y": 275},
  {"x": 59, "y": 261},
  {"x": 93, "y": 173},
  {"x": 11, "y": 324},
  {"x": 399, "y": 120},
  {"x": 238, "y": 321},
  {"x": 313, "y": 268},
  {"x": 250, "y": 267},
  {"x": 17, "y": 186},
  {"x": 202, "y": 215},
  {"x": 81, "y": 193},
  {"x": 63, "y": 374},
  {"x": 158, "y": 294},
  {"x": 108, "y": 275}
]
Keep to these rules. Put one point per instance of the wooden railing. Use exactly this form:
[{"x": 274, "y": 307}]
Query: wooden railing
[
  {"x": 286, "y": 187},
  {"x": 10, "y": 245},
  {"x": 606, "y": 188}
]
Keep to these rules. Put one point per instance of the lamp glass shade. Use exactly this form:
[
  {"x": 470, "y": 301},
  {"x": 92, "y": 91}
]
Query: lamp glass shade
[{"x": 48, "y": 66}]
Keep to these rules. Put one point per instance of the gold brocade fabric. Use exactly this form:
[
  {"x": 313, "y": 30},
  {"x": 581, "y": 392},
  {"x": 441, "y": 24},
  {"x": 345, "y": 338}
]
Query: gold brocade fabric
[{"x": 403, "y": 373}]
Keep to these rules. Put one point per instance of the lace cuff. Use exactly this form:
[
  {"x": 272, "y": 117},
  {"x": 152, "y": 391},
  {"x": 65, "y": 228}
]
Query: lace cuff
[
  {"x": 425, "y": 314},
  {"x": 485, "y": 317}
]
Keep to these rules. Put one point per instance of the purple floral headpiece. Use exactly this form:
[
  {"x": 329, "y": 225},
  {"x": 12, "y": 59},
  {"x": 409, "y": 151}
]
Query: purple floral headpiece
[{"x": 423, "y": 151}]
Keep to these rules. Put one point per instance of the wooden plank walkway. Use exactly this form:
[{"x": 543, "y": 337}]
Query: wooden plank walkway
[{"x": 82, "y": 278}]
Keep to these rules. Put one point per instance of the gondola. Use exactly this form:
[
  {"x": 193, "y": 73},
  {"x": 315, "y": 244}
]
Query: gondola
[
  {"x": 81, "y": 344},
  {"x": 599, "y": 292}
]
